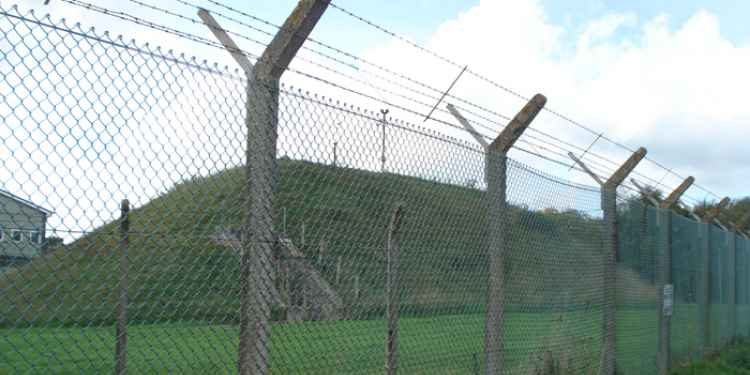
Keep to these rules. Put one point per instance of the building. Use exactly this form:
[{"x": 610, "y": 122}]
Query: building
[{"x": 22, "y": 227}]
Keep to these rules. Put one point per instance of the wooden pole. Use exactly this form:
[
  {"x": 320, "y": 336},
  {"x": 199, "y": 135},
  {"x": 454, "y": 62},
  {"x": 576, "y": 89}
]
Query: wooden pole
[
  {"x": 121, "y": 331},
  {"x": 392, "y": 253}
]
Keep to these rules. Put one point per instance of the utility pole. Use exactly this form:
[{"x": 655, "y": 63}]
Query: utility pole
[{"x": 383, "y": 112}]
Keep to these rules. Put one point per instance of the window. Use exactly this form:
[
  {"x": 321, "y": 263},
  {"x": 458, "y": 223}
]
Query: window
[
  {"x": 34, "y": 237},
  {"x": 16, "y": 235}
]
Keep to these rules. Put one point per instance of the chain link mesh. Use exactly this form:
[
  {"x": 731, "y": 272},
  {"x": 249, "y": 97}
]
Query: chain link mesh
[{"x": 231, "y": 256}]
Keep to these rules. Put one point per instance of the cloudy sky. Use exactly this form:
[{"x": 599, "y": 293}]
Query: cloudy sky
[{"x": 665, "y": 75}]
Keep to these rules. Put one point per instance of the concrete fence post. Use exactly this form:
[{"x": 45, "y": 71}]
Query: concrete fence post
[
  {"x": 495, "y": 175},
  {"x": 610, "y": 254},
  {"x": 261, "y": 121},
  {"x": 664, "y": 282},
  {"x": 665, "y": 288},
  {"x": 121, "y": 330},
  {"x": 496, "y": 198}
]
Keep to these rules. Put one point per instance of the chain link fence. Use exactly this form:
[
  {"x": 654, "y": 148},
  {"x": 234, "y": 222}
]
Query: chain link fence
[{"x": 169, "y": 280}]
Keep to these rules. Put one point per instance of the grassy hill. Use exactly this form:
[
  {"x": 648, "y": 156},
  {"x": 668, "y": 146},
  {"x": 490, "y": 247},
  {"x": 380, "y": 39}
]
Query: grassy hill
[{"x": 180, "y": 273}]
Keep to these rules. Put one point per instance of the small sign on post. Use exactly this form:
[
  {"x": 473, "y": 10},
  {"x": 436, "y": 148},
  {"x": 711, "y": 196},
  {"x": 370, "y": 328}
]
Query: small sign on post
[{"x": 668, "y": 298}]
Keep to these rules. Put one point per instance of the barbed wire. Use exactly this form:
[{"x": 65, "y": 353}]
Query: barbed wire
[
  {"x": 651, "y": 181},
  {"x": 195, "y": 38},
  {"x": 504, "y": 117},
  {"x": 184, "y": 2},
  {"x": 198, "y": 39},
  {"x": 508, "y": 90}
]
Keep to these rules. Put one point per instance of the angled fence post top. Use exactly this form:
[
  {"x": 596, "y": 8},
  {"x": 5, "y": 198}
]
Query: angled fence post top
[
  {"x": 467, "y": 125},
  {"x": 621, "y": 173},
  {"x": 284, "y": 46},
  {"x": 226, "y": 41},
  {"x": 714, "y": 212},
  {"x": 677, "y": 193},
  {"x": 510, "y": 134}
]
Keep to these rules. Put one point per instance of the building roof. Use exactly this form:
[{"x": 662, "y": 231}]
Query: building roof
[{"x": 25, "y": 202}]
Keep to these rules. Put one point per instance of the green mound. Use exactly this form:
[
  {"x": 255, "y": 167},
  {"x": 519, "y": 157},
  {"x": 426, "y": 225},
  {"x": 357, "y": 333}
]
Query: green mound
[{"x": 180, "y": 272}]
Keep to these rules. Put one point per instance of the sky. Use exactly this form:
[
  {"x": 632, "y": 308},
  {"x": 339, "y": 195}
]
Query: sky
[{"x": 665, "y": 75}]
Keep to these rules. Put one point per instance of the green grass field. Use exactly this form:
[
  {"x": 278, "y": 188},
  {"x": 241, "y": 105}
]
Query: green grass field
[
  {"x": 450, "y": 344},
  {"x": 446, "y": 345}
]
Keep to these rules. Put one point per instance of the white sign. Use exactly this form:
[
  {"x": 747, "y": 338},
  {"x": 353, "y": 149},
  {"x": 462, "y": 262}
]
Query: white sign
[{"x": 668, "y": 303}]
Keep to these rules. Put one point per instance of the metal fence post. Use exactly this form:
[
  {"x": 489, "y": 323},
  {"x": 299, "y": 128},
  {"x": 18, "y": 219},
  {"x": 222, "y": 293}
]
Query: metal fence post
[
  {"x": 392, "y": 252},
  {"x": 256, "y": 269},
  {"x": 610, "y": 255},
  {"x": 121, "y": 330}
]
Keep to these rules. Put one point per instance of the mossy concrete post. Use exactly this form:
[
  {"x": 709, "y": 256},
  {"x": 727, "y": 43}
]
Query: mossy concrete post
[
  {"x": 121, "y": 329},
  {"x": 496, "y": 177},
  {"x": 256, "y": 269},
  {"x": 704, "y": 287},
  {"x": 610, "y": 245},
  {"x": 392, "y": 254},
  {"x": 665, "y": 286}
]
